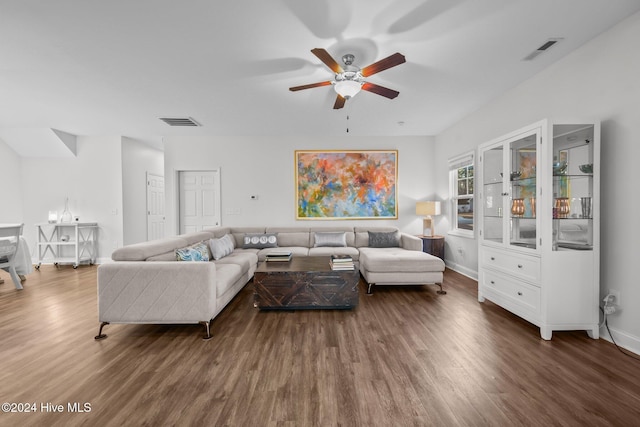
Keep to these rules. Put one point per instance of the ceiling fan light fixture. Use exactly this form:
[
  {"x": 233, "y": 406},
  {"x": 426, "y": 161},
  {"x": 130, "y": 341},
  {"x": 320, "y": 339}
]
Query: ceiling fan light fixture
[{"x": 347, "y": 88}]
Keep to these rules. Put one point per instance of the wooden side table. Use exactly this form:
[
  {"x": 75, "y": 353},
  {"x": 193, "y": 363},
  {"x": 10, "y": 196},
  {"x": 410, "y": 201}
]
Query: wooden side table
[{"x": 433, "y": 245}]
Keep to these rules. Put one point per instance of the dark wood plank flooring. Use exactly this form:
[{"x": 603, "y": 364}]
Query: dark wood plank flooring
[{"x": 405, "y": 356}]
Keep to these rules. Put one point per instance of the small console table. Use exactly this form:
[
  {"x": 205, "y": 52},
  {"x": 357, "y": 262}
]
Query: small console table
[
  {"x": 60, "y": 239},
  {"x": 433, "y": 245}
]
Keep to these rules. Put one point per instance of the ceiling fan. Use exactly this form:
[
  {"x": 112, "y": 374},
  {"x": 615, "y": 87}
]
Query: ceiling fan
[{"x": 349, "y": 80}]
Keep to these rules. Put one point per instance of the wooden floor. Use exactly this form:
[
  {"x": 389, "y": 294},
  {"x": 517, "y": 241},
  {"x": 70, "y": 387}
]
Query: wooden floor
[{"x": 405, "y": 356}]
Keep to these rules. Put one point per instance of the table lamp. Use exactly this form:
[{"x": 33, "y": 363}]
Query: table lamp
[{"x": 426, "y": 209}]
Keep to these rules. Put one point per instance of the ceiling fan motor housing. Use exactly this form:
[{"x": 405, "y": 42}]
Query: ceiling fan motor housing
[{"x": 348, "y": 59}]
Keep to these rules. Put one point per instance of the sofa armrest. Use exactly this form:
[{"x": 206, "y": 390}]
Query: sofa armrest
[
  {"x": 156, "y": 292},
  {"x": 409, "y": 242}
]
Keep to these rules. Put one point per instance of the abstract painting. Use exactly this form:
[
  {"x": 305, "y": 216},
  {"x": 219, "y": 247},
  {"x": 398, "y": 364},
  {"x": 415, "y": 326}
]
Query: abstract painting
[{"x": 346, "y": 184}]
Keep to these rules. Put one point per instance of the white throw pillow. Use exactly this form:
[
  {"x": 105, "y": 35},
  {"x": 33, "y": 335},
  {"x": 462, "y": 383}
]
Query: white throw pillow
[
  {"x": 330, "y": 239},
  {"x": 221, "y": 247}
]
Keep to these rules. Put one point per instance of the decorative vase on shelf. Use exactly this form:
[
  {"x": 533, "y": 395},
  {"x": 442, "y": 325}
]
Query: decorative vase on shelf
[
  {"x": 66, "y": 215},
  {"x": 585, "y": 203},
  {"x": 562, "y": 207},
  {"x": 517, "y": 207},
  {"x": 532, "y": 203}
]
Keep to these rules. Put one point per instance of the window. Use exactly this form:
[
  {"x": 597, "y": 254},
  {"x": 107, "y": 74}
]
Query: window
[{"x": 461, "y": 179}]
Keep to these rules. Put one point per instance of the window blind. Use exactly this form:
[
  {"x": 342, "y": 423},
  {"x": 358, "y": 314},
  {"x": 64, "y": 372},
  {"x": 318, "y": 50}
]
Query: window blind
[{"x": 461, "y": 160}]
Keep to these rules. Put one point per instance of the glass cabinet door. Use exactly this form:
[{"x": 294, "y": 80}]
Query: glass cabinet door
[
  {"x": 573, "y": 175},
  {"x": 493, "y": 194},
  {"x": 522, "y": 206}
]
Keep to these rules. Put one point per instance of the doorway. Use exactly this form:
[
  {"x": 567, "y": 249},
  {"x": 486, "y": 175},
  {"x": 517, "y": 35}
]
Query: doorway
[
  {"x": 155, "y": 207},
  {"x": 198, "y": 200}
]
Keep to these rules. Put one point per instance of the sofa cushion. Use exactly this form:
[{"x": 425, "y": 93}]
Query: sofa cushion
[
  {"x": 335, "y": 239},
  {"x": 221, "y": 247},
  {"x": 142, "y": 251},
  {"x": 197, "y": 252},
  {"x": 196, "y": 237},
  {"x": 260, "y": 241},
  {"x": 389, "y": 239},
  {"x": 247, "y": 259},
  {"x": 291, "y": 236},
  {"x": 226, "y": 276},
  {"x": 167, "y": 256},
  {"x": 398, "y": 260}
]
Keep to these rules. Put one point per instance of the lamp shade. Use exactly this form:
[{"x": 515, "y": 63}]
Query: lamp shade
[{"x": 427, "y": 208}]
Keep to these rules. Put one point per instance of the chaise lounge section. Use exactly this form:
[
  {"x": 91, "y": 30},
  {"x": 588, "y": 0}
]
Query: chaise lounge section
[{"x": 146, "y": 284}]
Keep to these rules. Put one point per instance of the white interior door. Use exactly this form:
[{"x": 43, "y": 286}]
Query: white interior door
[
  {"x": 199, "y": 200},
  {"x": 155, "y": 207}
]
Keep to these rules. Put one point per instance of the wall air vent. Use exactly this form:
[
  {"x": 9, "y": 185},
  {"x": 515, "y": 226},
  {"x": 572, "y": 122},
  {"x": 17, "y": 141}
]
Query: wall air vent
[
  {"x": 179, "y": 121},
  {"x": 546, "y": 45}
]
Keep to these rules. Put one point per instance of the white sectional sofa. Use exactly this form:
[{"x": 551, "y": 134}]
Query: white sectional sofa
[{"x": 146, "y": 284}]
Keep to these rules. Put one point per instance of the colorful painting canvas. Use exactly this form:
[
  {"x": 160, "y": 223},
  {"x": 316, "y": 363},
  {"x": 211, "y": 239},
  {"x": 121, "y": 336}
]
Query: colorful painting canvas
[{"x": 346, "y": 184}]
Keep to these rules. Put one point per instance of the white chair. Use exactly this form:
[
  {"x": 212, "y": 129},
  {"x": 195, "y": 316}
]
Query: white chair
[{"x": 9, "y": 241}]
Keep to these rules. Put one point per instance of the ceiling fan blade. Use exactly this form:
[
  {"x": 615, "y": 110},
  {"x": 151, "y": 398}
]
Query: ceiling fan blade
[
  {"x": 383, "y": 64},
  {"x": 380, "y": 90},
  {"x": 309, "y": 86},
  {"x": 339, "y": 103},
  {"x": 328, "y": 60}
]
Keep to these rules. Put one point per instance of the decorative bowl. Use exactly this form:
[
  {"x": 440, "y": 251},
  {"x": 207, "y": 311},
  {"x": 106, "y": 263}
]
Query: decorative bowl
[
  {"x": 588, "y": 168},
  {"x": 559, "y": 168}
]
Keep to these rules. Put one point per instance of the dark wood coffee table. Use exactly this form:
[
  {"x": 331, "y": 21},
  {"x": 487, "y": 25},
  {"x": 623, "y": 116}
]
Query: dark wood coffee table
[{"x": 304, "y": 283}]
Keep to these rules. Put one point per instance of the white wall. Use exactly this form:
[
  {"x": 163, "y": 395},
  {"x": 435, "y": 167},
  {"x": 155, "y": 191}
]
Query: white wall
[
  {"x": 10, "y": 167},
  {"x": 137, "y": 160},
  {"x": 264, "y": 166},
  {"x": 93, "y": 183},
  {"x": 599, "y": 81}
]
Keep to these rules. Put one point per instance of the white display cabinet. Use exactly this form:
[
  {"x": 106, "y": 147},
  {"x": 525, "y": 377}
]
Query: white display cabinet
[{"x": 539, "y": 246}]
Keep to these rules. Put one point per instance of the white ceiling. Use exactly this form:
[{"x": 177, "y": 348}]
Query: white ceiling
[{"x": 89, "y": 67}]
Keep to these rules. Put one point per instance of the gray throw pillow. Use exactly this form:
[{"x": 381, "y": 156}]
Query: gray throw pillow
[
  {"x": 259, "y": 241},
  {"x": 336, "y": 239},
  {"x": 222, "y": 247},
  {"x": 378, "y": 239}
]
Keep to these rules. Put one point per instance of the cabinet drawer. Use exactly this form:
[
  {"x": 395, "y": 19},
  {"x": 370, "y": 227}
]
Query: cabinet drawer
[
  {"x": 521, "y": 294},
  {"x": 526, "y": 267}
]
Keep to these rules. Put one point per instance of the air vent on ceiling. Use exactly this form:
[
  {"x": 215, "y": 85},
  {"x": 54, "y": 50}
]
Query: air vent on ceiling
[
  {"x": 546, "y": 45},
  {"x": 179, "y": 121}
]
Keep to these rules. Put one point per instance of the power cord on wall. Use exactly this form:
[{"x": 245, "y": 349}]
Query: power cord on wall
[{"x": 605, "y": 323}]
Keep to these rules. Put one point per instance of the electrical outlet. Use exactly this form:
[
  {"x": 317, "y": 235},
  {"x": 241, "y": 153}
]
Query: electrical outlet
[
  {"x": 611, "y": 302},
  {"x": 616, "y": 296}
]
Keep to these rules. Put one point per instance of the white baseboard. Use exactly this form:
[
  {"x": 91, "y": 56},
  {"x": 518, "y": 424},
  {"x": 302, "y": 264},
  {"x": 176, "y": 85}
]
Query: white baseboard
[
  {"x": 623, "y": 339},
  {"x": 462, "y": 270}
]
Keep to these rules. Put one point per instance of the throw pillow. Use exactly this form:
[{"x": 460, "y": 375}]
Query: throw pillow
[
  {"x": 330, "y": 239},
  {"x": 260, "y": 241},
  {"x": 197, "y": 252},
  {"x": 378, "y": 239},
  {"x": 221, "y": 247}
]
